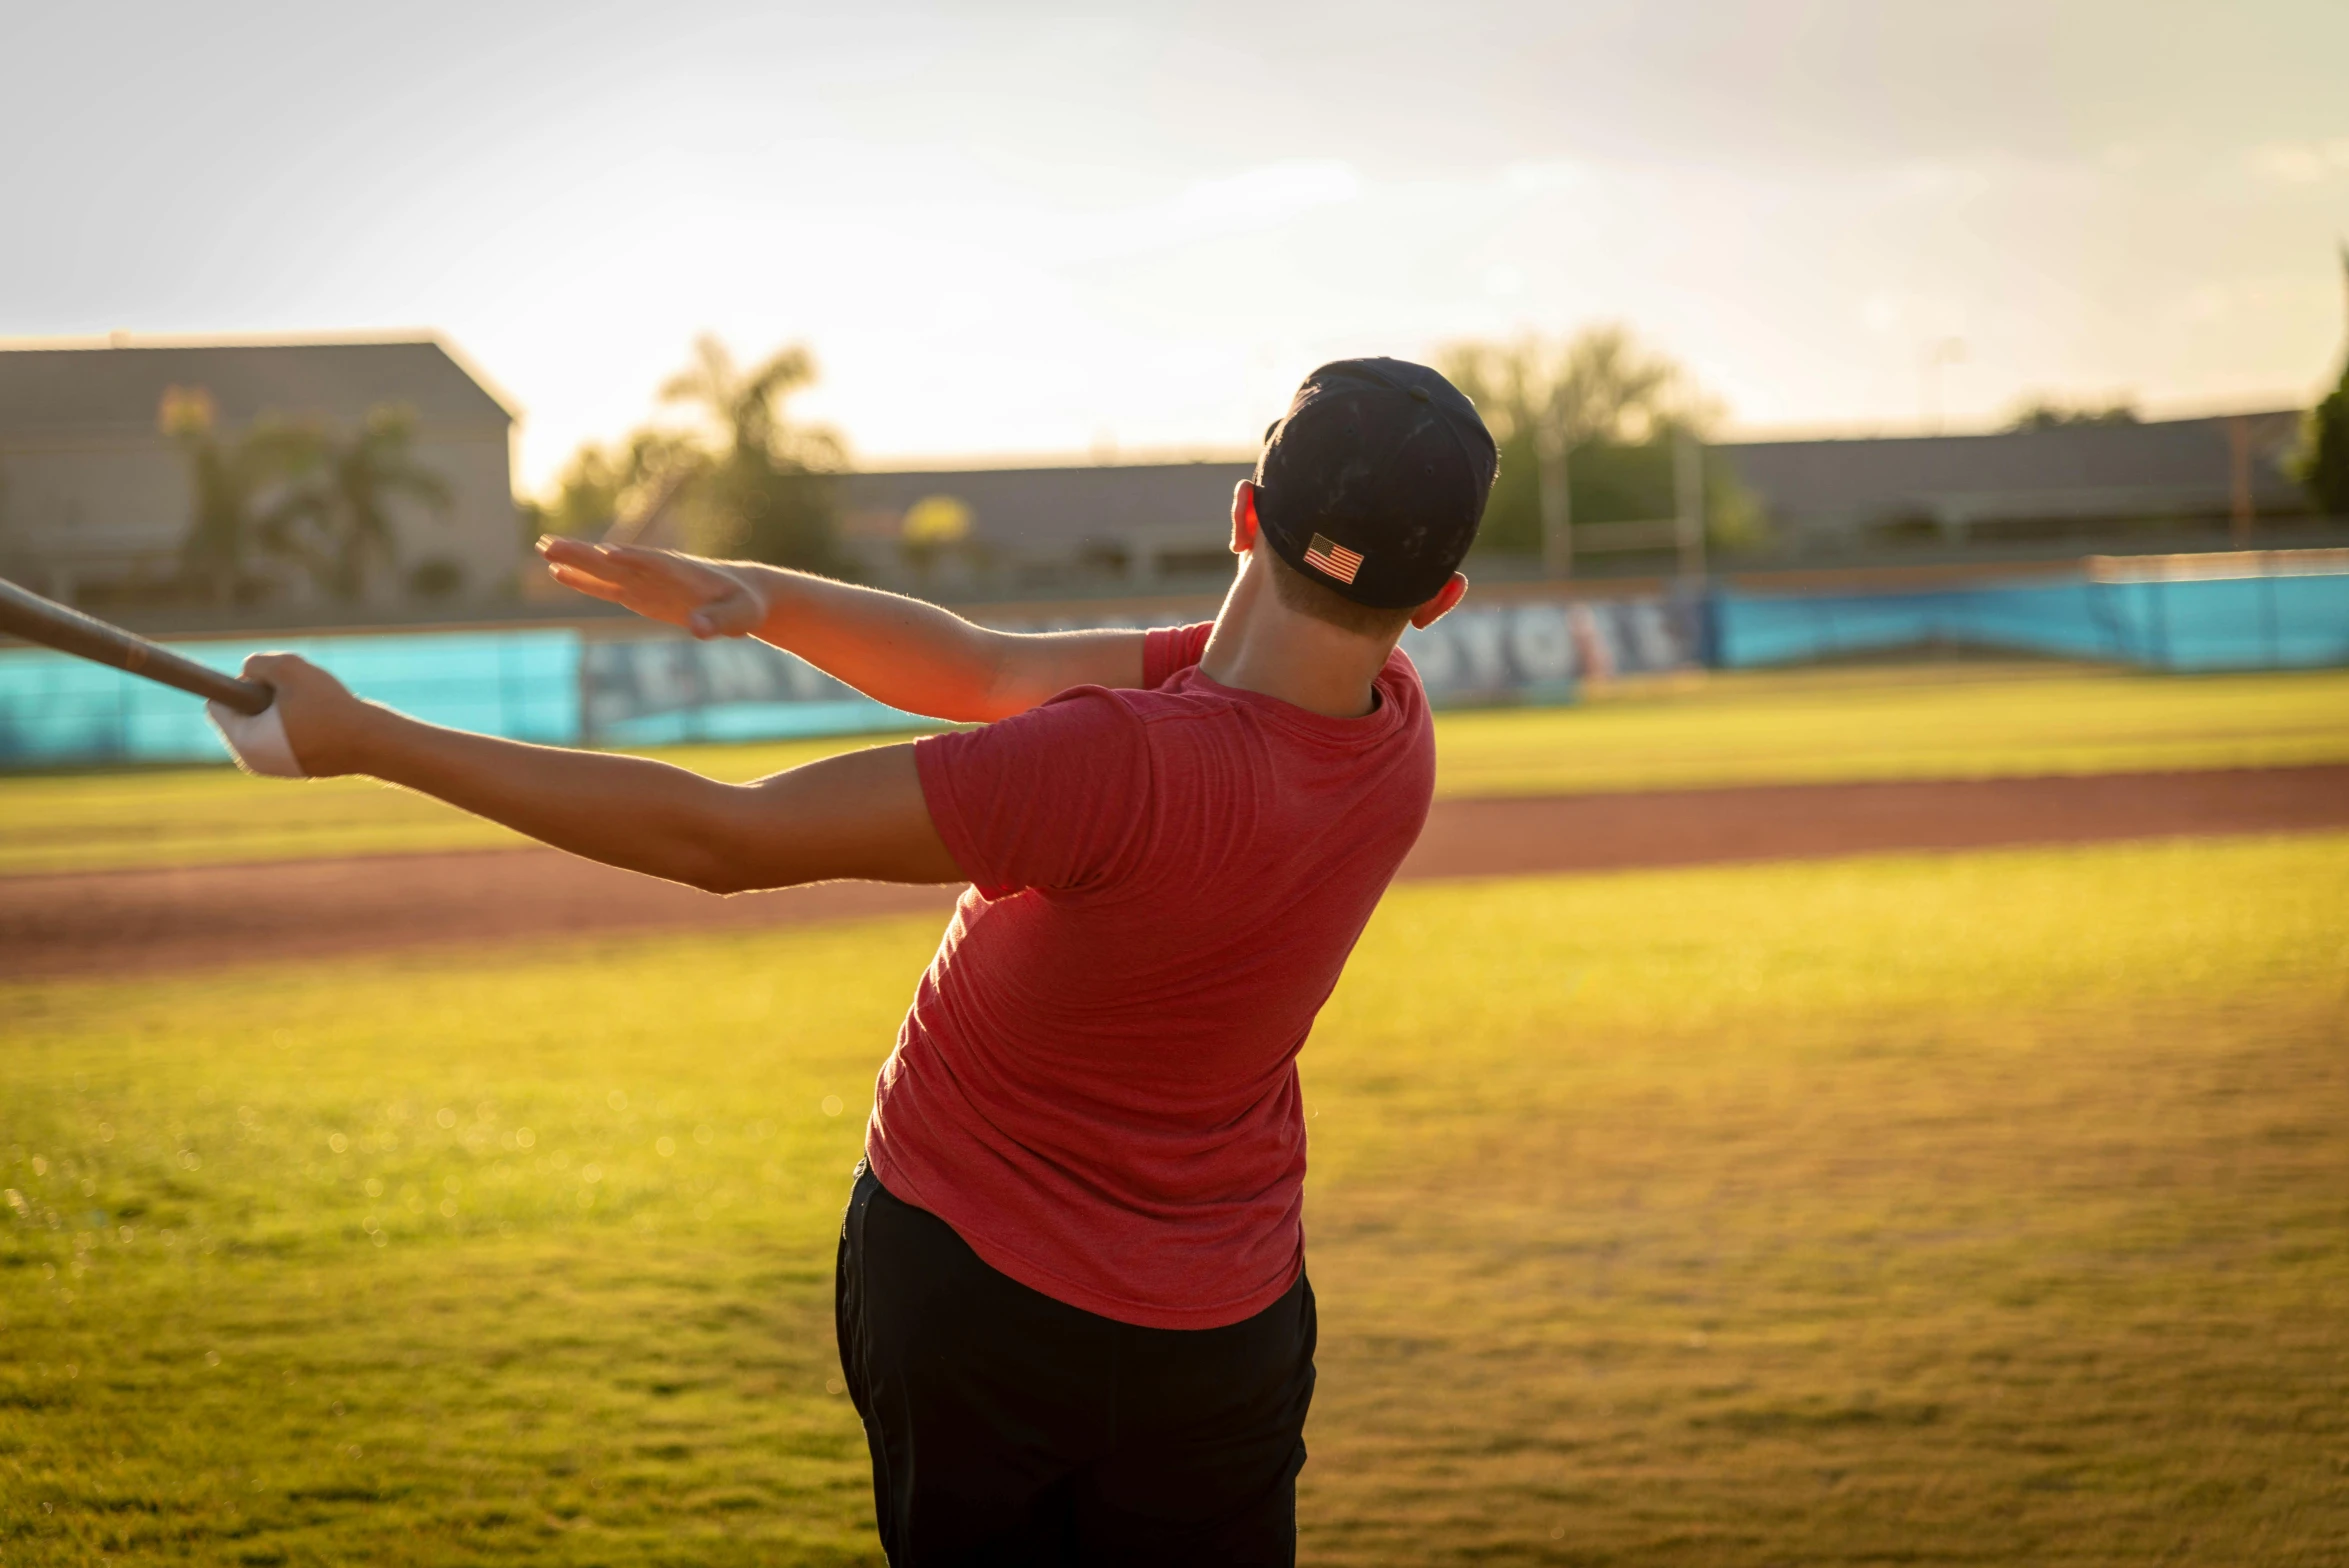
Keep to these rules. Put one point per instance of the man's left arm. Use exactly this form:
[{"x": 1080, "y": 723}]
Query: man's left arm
[
  {"x": 920, "y": 657},
  {"x": 860, "y": 815}
]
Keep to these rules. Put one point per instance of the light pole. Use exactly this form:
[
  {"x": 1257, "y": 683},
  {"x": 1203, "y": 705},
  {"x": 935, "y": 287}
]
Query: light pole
[
  {"x": 1557, "y": 502},
  {"x": 1944, "y": 351},
  {"x": 1688, "y": 498}
]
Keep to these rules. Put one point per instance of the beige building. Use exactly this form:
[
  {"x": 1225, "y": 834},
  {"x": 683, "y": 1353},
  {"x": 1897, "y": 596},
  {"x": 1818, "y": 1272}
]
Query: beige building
[{"x": 95, "y": 500}]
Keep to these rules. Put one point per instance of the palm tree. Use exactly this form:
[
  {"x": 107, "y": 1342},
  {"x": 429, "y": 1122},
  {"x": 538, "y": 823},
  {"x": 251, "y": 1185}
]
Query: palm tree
[
  {"x": 763, "y": 494},
  {"x": 228, "y": 527},
  {"x": 748, "y": 406},
  {"x": 619, "y": 493},
  {"x": 342, "y": 527}
]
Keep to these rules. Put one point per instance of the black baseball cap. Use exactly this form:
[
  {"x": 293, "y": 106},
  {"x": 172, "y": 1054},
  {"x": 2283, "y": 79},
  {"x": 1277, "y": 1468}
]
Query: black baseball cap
[{"x": 1374, "y": 481}]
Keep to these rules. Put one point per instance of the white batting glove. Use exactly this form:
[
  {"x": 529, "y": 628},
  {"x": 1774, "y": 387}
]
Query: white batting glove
[{"x": 257, "y": 740}]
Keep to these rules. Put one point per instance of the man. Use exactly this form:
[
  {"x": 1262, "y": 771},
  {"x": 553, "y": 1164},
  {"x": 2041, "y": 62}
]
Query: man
[{"x": 1071, "y": 1296}]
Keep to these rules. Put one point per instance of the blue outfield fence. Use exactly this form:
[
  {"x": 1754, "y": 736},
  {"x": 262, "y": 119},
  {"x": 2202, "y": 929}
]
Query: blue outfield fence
[
  {"x": 563, "y": 687},
  {"x": 2286, "y": 615},
  {"x": 57, "y": 711},
  {"x": 2244, "y": 623}
]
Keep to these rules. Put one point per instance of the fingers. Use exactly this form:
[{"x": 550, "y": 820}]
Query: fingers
[
  {"x": 587, "y": 583},
  {"x": 292, "y": 676},
  {"x": 583, "y": 553},
  {"x": 584, "y": 568},
  {"x": 603, "y": 557},
  {"x": 602, "y": 560},
  {"x": 683, "y": 590},
  {"x": 271, "y": 668}
]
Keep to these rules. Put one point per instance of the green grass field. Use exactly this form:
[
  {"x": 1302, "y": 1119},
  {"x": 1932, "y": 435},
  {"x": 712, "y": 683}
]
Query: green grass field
[
  {"x": 1899, "y": 722},
  {"x": 1981, "y": 1208},
  {"x": 1926, "y": 721}
]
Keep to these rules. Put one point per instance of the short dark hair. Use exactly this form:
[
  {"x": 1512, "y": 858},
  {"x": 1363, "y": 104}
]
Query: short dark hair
[{"x": 1308, "y": 597}]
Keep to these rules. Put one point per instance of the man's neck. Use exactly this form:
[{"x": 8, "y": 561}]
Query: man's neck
[{"x": 1261, "y": 645}]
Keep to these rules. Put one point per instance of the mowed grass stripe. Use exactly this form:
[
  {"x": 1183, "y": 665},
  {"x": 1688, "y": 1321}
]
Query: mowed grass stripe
[
  {"x": 1902, "y": 722},
  {"x": 1815, "y": 726},
  {"x": 1984, "y": 1207}
]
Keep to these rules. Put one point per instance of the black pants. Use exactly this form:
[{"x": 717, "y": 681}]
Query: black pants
[{"x": 1007, "y": 1427}]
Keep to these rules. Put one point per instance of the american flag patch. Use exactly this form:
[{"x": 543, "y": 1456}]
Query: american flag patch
[{"x": 1329, "y": 556}]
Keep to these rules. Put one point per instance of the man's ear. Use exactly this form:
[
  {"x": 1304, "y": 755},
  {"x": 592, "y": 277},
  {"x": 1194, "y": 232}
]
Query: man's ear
[
  {"x": 1244, "y": 524},
  {"x": 1436, "y": 608}
]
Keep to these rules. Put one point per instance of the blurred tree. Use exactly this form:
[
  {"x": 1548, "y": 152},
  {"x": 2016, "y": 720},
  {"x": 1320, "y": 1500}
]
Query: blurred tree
[
  {"x": 745, "y": 482},
  {"x": 340, "y": 526},
  {"x": 2048, "y": 414},
  {"x": 766, "y": 493},
  {"x": 232, "y": 528},
  {"x": 2322, "y": 465},
  {"x": 603, "y": 489},
  {"x": 1585, "y": 428},
  {"x": 1599, "y": 385}
]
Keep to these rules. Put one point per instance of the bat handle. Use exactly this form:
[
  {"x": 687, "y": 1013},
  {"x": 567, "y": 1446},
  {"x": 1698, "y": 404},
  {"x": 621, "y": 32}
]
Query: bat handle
[
  {"x": 26, "y": 614},
  {"x": 140, "y": 657},
  {"x": 247, "y": 697}
]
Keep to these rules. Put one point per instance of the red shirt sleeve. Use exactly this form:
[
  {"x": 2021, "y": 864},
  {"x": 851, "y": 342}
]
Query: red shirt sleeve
[
  {"x": 1167, "y": 651},
  {"x": 1055, "y": 798}
]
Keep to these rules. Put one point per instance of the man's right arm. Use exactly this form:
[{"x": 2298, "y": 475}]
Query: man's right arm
[
  {"x": 897, "y": 650},
  {"x": 860, "y": 815}
]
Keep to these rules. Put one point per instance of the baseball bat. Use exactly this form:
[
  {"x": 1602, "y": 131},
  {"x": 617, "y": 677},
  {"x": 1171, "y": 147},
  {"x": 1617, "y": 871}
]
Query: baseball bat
[{"x": 26, "y": 614}]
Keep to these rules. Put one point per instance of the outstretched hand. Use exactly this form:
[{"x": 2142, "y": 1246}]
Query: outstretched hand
[{"x": 703, "y": 597}]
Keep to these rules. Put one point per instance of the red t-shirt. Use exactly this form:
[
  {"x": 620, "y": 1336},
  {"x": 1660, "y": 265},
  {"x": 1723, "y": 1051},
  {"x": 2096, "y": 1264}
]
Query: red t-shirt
[{"x": 1096, "y": 1085}]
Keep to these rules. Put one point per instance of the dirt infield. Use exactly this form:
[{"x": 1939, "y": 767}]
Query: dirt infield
[{"x": 131, "y": 922}]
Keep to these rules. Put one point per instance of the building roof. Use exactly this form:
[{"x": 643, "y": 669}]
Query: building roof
[
  {"x": 47, "y": 389},
  {"x": 2159, "y": 468},
  {"x": 1058, "y": 511}
]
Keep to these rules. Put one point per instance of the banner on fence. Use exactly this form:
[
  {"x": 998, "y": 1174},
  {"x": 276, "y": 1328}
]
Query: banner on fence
[
  {"x": 652, "y": 691},
  {"x": 1533, "y": 650},
  {"x": 1537, "y": 650}
]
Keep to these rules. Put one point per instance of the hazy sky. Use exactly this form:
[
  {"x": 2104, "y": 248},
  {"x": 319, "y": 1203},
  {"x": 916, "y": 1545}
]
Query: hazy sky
[{"x": 1011, "y": 229}]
